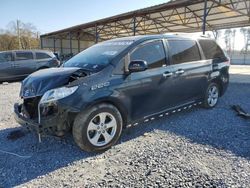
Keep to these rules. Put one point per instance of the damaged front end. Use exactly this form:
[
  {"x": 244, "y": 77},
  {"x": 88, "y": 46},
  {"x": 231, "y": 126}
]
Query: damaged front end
[{"x": 41, "y": 110}]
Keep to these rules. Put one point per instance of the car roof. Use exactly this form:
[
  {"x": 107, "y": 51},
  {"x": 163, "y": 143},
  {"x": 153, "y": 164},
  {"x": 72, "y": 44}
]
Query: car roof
[
  {"x": 37, "y": 50},
  {"x": 167, "y": 36}
]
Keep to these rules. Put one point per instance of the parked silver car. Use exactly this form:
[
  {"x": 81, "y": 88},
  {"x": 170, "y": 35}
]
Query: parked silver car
[{"x": 16, "y": 65}]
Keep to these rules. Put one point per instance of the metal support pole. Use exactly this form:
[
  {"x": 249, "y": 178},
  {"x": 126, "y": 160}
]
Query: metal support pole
[
  {"x": 204, "y": 18},
  {"x": 41, "y": 42},
  {"x": 134, "y": 25},
  {"x": 61, "y": 45},
  {"x": 54, "y": 45},
  {"x": 96, "y": 34},
  {"x": 79, "y": 44},
  {"x": 79, "y": 48},
  {"x": 70, "y": 42}
]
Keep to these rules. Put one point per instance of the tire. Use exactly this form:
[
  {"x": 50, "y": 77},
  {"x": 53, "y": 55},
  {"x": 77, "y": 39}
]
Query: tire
[
  {"x": 97, "y": 128},
  {"x": 211, "y": 96}
]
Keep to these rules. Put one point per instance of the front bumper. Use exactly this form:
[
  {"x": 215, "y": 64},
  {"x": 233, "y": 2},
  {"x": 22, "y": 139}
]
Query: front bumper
[
  {"x": 49, "y": 125},
  {"x": 25, "y": 122}
]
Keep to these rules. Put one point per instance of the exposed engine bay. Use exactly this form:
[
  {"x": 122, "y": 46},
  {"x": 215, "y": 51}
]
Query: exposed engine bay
[{"x": 40, "y": 82}]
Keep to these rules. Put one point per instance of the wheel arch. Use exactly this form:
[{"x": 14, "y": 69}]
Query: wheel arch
[
  {"x": 121, "y": 108},
  {"x": 219, "y": 83}
]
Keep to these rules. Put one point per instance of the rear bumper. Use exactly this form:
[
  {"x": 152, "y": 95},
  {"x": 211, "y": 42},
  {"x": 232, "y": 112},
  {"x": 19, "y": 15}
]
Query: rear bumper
[{"x": 224, "y": 79}]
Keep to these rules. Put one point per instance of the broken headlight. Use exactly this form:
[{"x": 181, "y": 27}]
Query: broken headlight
[{"x": 56, "y": 94}]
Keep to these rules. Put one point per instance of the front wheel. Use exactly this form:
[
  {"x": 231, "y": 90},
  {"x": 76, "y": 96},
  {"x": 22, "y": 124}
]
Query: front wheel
[
  {"x": 211, "y": 95},
  {"x": 97, "y": 128}
]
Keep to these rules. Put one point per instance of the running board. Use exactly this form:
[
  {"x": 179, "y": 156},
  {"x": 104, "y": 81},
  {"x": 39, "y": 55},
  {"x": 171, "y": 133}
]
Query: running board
[{"x": 165, "y": 113}]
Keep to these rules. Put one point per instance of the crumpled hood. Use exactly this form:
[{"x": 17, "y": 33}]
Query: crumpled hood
[{"x": 41, "y": 81}]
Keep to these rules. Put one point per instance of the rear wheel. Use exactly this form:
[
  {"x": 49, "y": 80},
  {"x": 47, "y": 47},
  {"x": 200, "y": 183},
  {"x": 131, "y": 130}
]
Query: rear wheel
[
  {"x": 97, "y": 128},
  {"x": 211, "y": 96}
]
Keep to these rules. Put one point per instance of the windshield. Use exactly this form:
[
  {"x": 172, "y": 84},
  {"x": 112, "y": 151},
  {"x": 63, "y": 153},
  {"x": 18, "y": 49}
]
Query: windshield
[{"x": 98, "y": 56}]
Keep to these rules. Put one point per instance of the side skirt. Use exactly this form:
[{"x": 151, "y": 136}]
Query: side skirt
[{"x": 166, "y": 112}]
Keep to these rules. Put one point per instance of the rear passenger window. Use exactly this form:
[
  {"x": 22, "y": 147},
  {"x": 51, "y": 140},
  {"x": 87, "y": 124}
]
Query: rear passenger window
[
  {"x": 23, "y": 56},
  {"x": 211, "y": 49},
  {"x": 184, "y": 51},
  {"x": 152, "y": 52},
  {"x": 5, "y": 57},
  {"x": 40, "y": 55}
]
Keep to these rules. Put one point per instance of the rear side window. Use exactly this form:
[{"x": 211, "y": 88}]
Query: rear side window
[
  {"x": 5, "y": 57},
  {"x": 40, "y": 55},
  {"x": 152, "y": 52},
  {"x": 184, "y": 51},
  {"x": 23, "y": 56},
  {"x": 211, "y": 49}
]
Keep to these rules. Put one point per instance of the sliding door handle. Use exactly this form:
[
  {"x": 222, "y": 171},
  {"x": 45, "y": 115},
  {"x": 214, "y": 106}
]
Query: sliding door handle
[
  {"x": 180, "y": 71},
  {"x": 167, "y": 74}
]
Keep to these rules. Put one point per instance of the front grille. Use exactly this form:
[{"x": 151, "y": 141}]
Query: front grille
[{"x": 31, "y": 107}]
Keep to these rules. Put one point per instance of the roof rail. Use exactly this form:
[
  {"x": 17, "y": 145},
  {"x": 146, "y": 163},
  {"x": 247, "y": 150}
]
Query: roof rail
[{"x": 186, "y": 34}]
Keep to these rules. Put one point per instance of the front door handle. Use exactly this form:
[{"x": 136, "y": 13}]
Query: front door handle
[
  {"x": 167, "y": 74},
  {"x": 180, "y": 71}
]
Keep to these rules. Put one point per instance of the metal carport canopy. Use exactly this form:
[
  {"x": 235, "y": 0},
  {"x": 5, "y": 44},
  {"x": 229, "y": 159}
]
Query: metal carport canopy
[{"x": 173, "y": 16}]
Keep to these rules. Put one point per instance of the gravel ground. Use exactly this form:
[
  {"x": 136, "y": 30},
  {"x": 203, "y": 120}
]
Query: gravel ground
[{"x": 196, "y": 148}]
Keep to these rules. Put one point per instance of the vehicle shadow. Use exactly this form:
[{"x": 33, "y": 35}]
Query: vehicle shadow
[
  {"x": 219, "y": 128},
  {"x": 23, "y": 158}
]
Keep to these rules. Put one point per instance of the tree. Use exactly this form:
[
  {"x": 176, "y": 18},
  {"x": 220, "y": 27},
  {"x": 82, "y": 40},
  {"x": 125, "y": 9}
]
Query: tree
[
  {"x": 246, "y": 34},
  {"x": 233, "y": 38},
  {"x": 217, "y": 34},
  {"x": 19, "y": 35},
  {"x": 8, "y": 42},
  {"x": 228, "y": 35}
]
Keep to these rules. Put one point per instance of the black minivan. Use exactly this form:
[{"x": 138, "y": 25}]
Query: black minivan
[{"x": 123, "y": 82}]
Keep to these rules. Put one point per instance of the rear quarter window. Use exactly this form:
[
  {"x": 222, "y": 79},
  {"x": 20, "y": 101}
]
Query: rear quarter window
[
  {"x": 211, "y": 49},
  {"x": 183, "y": 51},
  {"x": 41, "y": 55},
  {"x": 24, "y": 56}
]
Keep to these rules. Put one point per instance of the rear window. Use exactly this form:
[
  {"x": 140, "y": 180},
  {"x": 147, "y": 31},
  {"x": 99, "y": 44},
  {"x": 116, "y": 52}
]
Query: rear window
[
  {"x": 184, "y": 51},
  {"x": 40, "y": 55},
  {"x": 211, "y": 49},
  {"x": 23, "y": 56},
  {"x": 5, "y": 57}
]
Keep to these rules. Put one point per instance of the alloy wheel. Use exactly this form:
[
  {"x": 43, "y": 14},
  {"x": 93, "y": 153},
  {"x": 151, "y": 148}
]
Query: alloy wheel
[
  {"x": 213, "y": 95},
  {"x": 101, "y": 129}
]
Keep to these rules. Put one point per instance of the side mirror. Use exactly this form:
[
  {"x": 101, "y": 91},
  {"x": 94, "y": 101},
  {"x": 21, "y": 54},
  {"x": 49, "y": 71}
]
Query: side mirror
[{"x": 137, "y": 66}]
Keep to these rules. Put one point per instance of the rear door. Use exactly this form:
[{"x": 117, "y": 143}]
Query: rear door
[
  {"x": 6, "y": 66},
  {"x": 24, "y": 63},
  {"x": 155, "y": 91},
  {"x": 190, "y": 71}
]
